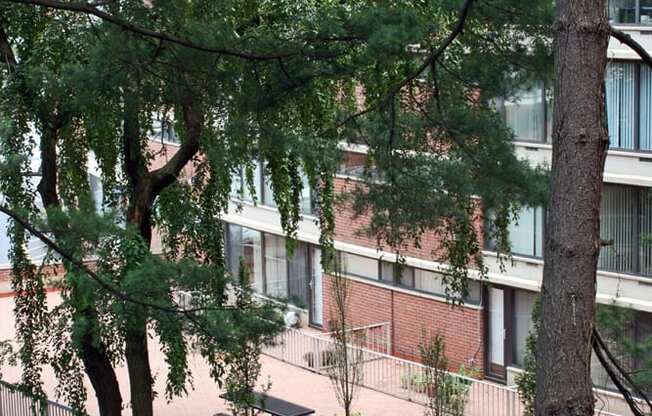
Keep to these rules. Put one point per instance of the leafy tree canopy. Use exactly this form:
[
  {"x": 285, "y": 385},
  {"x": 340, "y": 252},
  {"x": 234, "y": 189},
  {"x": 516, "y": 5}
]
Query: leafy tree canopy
[{"x": 242, "y": 81}]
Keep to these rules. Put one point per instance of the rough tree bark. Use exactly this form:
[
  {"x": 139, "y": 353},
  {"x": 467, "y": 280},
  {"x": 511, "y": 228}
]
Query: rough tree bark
[
  {"x": 144, "y": 187},
  {"x": 580, "y": 141}
]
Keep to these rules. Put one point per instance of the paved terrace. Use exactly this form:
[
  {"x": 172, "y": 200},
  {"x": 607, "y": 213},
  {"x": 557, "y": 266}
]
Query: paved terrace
[{"x": 288, "y": 382}]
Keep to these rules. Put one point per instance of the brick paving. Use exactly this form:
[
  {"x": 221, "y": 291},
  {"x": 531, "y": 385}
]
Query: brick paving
[{"x": 287, "y": 382}]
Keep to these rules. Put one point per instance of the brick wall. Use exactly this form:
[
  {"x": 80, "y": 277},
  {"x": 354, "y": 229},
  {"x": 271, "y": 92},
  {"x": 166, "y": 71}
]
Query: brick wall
[
  {"x": 463, "y": 328},
  {"x": 350, "y": 228}
]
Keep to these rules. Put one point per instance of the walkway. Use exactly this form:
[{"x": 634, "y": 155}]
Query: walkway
[{"x": 288, "y": 382}]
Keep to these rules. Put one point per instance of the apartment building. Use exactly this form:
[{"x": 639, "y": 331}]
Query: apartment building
[{"x": 489, "y": 331}]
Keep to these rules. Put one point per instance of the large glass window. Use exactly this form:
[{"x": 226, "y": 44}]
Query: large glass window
[
  {"x": 628, "y": 335},
  {"x": 621, "y": 98},
  {"x": 246, "y": 243},
  {"x": 264, "y": 191},
  {"x": 403, "y": 276},
  {"x": 629, "y": 108},
  {"x": 276, "y": 268},
  {"x": 525, "y": 114},
  {"x": 273, "y": 272},
  {"x": 631, "y": 11},
  {"x": 360, "y": 266},
  {"x": 617, "y": 214},
  {"x": 523, "y": 304},
  {"x": 526, "y": 234},
  {"x": 396, "y": 273},
  {"x": 645, "y": 108}
]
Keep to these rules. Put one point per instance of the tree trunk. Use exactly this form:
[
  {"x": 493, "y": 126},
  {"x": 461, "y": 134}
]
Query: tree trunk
[
  {"x": 140, "y": 375},
  {"x": 580, "y": 141},
  {"x": 97, "y": 364},
  {"x": 136, "y": 352},
  {"x": 102, "y": 375}
]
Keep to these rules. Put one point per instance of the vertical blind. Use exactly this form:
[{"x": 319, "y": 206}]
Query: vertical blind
[
  {"x": 645, "y": 109},
  {"x": 621, "y": 95},
  {"x": 524, "y": 113},
  {"x": 617, "y": 224}
]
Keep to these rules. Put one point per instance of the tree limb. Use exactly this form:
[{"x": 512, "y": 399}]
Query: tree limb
[
  {"x": 430, "y": 59},
  {"x": 635, "y": 46},
  {"x": 168, "y": 173},
  {"x": 616, "y": 372},
  {"x": 94, "y": 276},
  {"x": 91, "y": 9}
]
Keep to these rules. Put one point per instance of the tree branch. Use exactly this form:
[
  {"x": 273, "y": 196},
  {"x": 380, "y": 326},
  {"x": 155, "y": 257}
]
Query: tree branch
[
  {"x": 615, "y": 372},
  {"x": 635, "y": 46},
  {"x": 430, "y": 59},
  {"x": 94, "y": 276},
  {"x": 168, "y": 173},
  {"x": 91, "y": 9}
]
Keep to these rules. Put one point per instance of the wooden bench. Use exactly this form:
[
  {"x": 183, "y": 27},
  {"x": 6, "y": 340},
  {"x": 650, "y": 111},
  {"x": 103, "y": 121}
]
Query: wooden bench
[{"x": 275, "y": 406}]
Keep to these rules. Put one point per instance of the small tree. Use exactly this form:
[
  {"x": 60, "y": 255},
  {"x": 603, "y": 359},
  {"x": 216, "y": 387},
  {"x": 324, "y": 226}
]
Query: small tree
[
  {"x": 447, "y": 396},
  {"x": 346, "y": 371}
]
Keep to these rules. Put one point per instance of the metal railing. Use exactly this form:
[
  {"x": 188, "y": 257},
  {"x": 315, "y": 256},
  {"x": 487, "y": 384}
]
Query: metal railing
[
  {"x": 374, "y": 337},
  {"x": 397, "y": 377},
  {"x": 14, "y": 402}
]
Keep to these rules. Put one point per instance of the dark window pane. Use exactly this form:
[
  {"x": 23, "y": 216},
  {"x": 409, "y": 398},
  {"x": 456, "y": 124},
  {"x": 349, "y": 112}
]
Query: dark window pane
[
  {"x": 645, "y": 12},
  {"x": 622, "y": 11}
]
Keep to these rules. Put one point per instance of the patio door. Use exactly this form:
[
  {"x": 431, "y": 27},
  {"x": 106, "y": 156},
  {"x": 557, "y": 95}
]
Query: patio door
[
  {"x": 316, "y": 289},
  {"x": 496, "y": 334}
]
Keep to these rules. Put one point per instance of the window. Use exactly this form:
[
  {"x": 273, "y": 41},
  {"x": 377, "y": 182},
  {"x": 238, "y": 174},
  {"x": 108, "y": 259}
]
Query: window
[
  {"x": 629, "y": 105},
  {"x": 273, "y": 272},
  {"x": 360, "y": 266},
  {"x": 245, "y": 243},
  {"x": 621, "y": 99},
  {"x": 163, "y": 129},
  {"x": 509, "y": 324},
  {"x": 276, "y": 268},
  {"x": 631, "y": 11},
  {"x": 523, "y": 304},
  {"x": 629, "y": 108},
  {"x": 239, "y": 187},
  {"x": 397, "y": 274},
  {"x": 263, "y": 189},
  {"x": 525, "y": 114},
  {"x": 628, "y": 337},
  {"x": 404, "y": 276},
  {"x": 526, "y": 234},
  {"x": 626, "y": 221}
]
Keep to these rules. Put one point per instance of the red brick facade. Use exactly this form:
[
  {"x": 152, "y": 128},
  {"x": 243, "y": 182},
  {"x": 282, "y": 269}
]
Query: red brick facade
[
  {"x": 350, "y": 228},
  {"x": 409, "y": 315}
]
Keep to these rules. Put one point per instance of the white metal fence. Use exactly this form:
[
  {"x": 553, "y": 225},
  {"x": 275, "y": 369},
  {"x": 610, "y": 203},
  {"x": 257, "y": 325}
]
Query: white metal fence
[
  {"x": 395, "y": 376},
  {"x": 14, "y": 402}
]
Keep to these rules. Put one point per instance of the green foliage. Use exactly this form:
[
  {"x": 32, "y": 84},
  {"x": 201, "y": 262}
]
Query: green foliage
[
  {"x": 526, "y": 381},
  {"x": 277, "y": 93}
]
